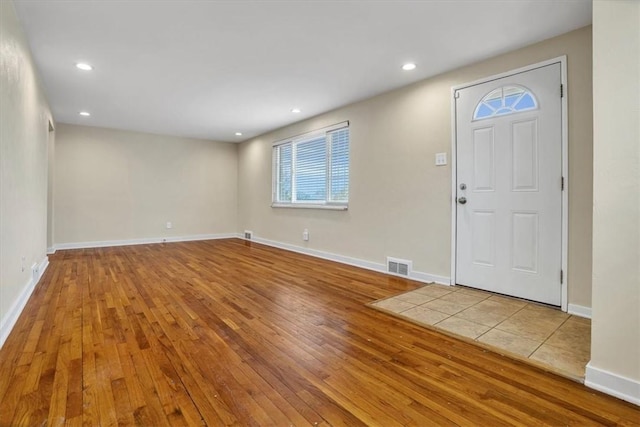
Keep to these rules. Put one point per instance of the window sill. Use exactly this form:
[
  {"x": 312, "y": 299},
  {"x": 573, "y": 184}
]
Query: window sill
[{"x": 310, "y": 206}]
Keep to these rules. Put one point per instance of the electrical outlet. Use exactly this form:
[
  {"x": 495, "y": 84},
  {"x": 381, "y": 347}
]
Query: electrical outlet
[
  {"x": 35, "y": 272},
  {"x": 169, "y": 225},
  {"x": 305, "y": 235},
  {"x": 441, "y": 159},
  {"x": 22, "y": 265}
]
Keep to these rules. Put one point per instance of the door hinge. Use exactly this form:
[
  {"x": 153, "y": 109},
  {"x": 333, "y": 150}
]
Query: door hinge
[
  {"x": 561, "y": 91},
  {"x": 562, "y": 183},
  {"x": 561, "y": 277}
]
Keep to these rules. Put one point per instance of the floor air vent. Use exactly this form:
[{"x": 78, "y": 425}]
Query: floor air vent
[{"x": 400, "y": 267}]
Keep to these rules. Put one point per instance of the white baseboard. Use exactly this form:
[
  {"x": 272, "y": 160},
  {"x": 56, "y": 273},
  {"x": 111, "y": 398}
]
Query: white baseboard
[
  {"x": 144, "y": 241},
  {"x": 428, "y": 278},
  {"x": 616, "y": 385},
  {"x": 369, "y": 265},
  {"x": 51, "y": 251},
  {"x": 10, "y": 319},
  {"x": 579, "y": 310}
]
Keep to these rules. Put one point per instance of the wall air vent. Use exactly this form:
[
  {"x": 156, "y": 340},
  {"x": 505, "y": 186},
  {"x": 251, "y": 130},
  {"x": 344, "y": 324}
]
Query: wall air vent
[
  {"x": 248, "y": 235},
  {"x": 399, "y": 267}
]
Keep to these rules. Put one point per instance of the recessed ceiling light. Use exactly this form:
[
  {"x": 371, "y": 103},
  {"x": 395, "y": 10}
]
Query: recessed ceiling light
[
  {"x": 84, "y": 113},
  {"x": 409, "y": 66},
  {"x": 84, "y": 66},
  {"x": 295, "y": 110},
  {"x": 238, "y": 133}
]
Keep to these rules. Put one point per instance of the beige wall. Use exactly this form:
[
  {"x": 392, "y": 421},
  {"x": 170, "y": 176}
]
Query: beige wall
[
  {"x": 119, "y": 185},
  {"x": 615, "y": 345},
  {"x": 24, "y": 121},
  {"x": 51, "y": 167},
  {"x": 400, "y": 202}
]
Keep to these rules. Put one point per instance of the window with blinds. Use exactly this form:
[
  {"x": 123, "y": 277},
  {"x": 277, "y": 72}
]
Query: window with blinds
[{"x": 312, "y": 170}]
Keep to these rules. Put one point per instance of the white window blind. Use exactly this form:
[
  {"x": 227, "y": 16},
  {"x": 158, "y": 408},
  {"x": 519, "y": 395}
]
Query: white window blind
[
  {"x": 339, "y": 167},
  {"x": 312, "y": 170},
  {"x": 284, "y": 172}
]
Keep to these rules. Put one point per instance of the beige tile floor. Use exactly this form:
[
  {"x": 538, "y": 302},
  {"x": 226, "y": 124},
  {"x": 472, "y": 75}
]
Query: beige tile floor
[{"x": 533, "y": 332}]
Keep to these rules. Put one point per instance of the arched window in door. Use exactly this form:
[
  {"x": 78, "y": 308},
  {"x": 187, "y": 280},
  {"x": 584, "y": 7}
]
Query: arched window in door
[{"x": 505, "y": 100}]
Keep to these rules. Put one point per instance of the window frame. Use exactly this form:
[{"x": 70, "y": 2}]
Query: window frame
[
  {"x": 495, "y": 112},
  {"x": 294, "y": 141}
]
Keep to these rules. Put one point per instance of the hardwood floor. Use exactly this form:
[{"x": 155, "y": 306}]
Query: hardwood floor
[{"x": 229, "y": 332}]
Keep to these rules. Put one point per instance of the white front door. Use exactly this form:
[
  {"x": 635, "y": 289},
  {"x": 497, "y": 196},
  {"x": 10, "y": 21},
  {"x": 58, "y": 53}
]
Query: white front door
[{"x": 508, "y": 184}]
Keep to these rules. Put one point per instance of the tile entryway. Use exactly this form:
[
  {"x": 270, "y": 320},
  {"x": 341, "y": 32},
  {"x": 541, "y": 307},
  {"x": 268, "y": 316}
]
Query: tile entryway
[{"x": 542, "y": 335}]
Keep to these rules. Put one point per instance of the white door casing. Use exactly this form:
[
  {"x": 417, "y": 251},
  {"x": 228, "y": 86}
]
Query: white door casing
[{"x": 509, "y": 233}]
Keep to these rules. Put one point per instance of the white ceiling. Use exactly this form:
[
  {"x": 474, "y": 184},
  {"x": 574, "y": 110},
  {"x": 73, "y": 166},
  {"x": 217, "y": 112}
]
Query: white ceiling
[{"x": 208, "y": 69}]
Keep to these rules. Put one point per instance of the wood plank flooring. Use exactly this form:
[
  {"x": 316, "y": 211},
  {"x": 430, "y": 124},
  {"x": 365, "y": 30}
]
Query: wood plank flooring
[{"x": 229, "y": 332}]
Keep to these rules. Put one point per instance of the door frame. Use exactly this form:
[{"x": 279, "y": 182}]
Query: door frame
[{"x": 562, "y": 60}]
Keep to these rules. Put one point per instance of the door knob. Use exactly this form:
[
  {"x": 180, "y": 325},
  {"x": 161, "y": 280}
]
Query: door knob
[{"x": 462, "y": 200}]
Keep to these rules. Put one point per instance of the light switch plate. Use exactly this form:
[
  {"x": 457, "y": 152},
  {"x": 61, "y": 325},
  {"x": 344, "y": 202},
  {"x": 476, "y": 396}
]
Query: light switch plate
[{"x": 441, "y": 159}]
